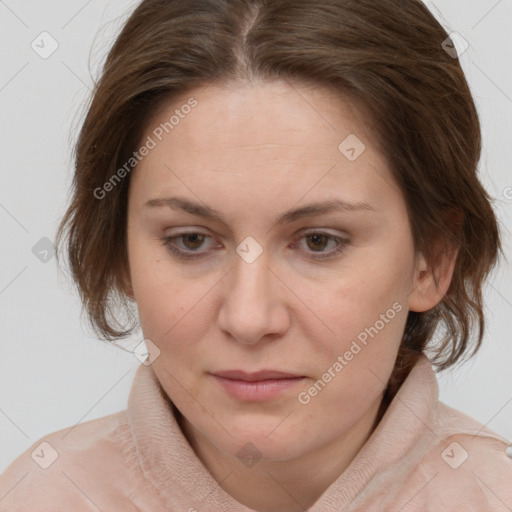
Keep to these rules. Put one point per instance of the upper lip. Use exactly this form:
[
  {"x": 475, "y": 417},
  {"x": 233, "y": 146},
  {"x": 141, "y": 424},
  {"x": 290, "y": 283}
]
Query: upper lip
[{"x": 255, "y": 376}]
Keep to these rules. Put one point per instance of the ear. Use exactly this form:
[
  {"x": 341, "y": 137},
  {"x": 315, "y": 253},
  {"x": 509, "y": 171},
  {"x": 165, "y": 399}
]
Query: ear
[{"x": 432, "y": 280}]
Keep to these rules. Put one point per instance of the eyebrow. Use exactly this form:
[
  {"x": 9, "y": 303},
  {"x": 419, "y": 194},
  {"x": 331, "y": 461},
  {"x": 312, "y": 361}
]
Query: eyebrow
[{"x": 308, "y": 210}]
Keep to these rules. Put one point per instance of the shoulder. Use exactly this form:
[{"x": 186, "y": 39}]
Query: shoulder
[
  {"x": 69, "y": 469},
  {"x": 466, "y": 464}
]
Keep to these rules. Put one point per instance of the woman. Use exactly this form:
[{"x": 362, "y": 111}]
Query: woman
[{"x": 286, "y": 192}]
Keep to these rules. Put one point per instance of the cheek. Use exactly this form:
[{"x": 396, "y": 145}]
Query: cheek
[
  {"x": 158, "y": 303},
  {"x": 356, "y": 364},
  {"x": 369, "y": 298},
  {"x": 367, "y": 310},
  {"x": 162, "y": 311},
  {"x": 172, "y": 308}
]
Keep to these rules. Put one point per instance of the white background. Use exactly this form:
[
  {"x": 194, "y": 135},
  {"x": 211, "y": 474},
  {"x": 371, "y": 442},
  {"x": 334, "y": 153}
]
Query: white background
[{"x": 53, "y": 372}]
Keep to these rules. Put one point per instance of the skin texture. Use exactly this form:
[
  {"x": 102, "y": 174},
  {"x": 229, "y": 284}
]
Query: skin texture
[{"x": 252, "y": 152}]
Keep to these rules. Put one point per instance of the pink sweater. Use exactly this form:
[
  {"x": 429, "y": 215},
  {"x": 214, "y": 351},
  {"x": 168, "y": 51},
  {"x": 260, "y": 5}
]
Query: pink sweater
[{"x": 422, "y": 457}]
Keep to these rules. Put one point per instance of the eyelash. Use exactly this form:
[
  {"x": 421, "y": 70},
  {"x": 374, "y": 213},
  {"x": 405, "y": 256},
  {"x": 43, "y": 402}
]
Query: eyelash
[{"x": 185, "y": 255}]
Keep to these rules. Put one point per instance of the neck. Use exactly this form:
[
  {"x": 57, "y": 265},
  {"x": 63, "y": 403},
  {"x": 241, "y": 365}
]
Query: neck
[{"x": 286, "y": 485}]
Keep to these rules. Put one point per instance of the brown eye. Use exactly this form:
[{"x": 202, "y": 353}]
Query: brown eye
[
  {"x": 186, "y": 245},
  {"x": 321, "y": 246},
  {"x": 193, "y": 240},
  {"x": 318, "y": 241}
]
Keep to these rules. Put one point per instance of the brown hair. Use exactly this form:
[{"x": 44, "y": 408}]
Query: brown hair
[{"x": 387, "y": 55}]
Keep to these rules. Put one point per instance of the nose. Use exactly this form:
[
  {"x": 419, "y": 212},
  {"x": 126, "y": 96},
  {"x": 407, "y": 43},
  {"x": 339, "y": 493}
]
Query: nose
[{"x": 254, "y": 303}]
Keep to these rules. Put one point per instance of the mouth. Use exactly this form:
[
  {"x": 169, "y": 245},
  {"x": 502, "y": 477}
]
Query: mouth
[{"x": 256, "y": 386}]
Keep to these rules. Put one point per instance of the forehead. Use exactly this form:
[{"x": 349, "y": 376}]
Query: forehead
[
  {"x": 273, "y": 138},
  {"x": 264, "y": 113}
]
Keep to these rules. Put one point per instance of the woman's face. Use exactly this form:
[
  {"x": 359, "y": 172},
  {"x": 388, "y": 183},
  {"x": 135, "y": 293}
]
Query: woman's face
[{"x": 277, "y": 322}]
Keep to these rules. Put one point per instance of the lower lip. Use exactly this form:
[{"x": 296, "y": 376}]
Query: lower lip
[{"x": 257, "y": 391}]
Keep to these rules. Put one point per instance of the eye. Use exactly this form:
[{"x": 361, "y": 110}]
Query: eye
[
  {"x": 317, "y": 241},
  {"x": 192, "y": 241}
]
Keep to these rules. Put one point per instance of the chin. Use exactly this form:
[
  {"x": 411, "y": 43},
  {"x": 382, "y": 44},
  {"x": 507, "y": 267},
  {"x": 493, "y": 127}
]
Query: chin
[
  {"x": 268, "y": 438},
  {"x": 264, "y": 448}
]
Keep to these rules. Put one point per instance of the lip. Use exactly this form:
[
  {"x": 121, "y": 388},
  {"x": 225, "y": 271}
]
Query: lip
[
  {"x": 256, "y": 386},
  {"x": 255, "y": 376}
]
